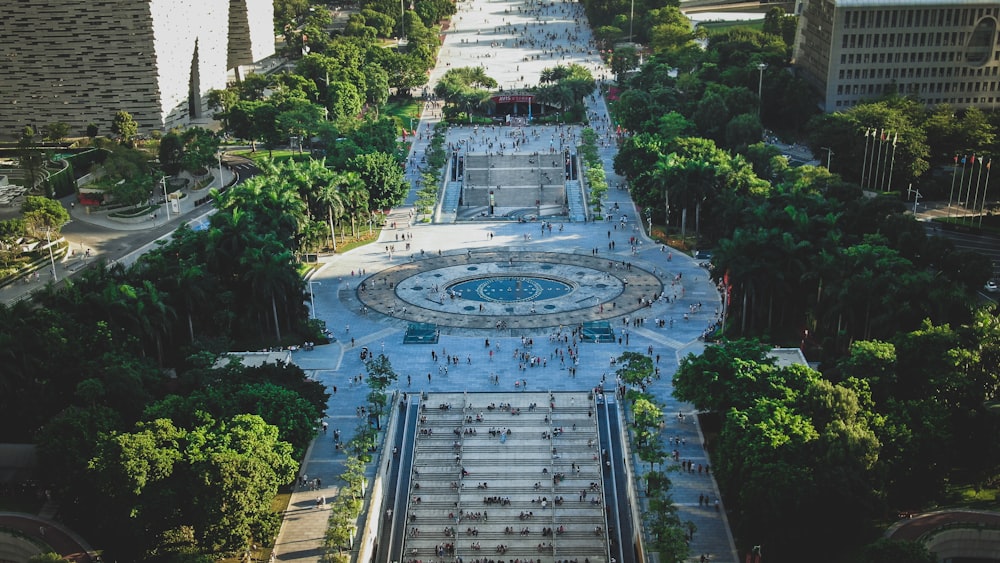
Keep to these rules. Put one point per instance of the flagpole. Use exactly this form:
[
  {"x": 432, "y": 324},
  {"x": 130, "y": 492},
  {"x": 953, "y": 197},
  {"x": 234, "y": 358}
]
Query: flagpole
[
  {"x": 878, "y": 161},
  {"x": 952, "y": 193},
  {"x": 968, "y": 192},
  {"x": 980, "y": 177},
  {"x": 961, "y": 181},
  {"x": 864, "y": 160},
  {"x": 871, "y": 165},
  {"x": 986, "y": 186},
  {"x": 884, "y": 165},
  {"x": 892, "y": 165}
]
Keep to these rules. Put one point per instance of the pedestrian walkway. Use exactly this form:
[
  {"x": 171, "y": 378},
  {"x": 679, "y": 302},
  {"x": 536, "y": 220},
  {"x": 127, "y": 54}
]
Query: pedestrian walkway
[
  {"x": 514, "y": 41},
  {"x": 39, "y": 532}
]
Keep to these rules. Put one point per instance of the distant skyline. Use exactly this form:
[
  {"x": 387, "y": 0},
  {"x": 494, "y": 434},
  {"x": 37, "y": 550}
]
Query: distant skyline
[{"x": 80, "y": 62}]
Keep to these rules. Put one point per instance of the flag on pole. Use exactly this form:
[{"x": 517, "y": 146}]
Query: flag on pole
[
  {"x": 895, "y": 139},
  {"x": 883, "y": 135},
  {"x": 956, "y": 159},
  {"x": 973, "y": 160},
  {"x": 963, "y": 159},
  {"x": 988, "y": 163}
]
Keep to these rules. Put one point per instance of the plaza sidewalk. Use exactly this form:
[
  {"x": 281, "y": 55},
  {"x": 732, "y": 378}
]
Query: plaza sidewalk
[{"x": 485, "y": 33}]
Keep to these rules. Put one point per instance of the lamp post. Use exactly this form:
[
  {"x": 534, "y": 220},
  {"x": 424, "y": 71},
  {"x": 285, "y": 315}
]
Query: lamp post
[
  {"x": 760, "y": 87},
  {"x": 829, "y": 157},
  {"x": 52, "y": 258},
  {"x": 916, "y": 197},
  {"x": 312, "y": 298}
]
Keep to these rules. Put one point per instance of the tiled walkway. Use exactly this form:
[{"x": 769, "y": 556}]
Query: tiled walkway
[{"x": 440, "y": 253}]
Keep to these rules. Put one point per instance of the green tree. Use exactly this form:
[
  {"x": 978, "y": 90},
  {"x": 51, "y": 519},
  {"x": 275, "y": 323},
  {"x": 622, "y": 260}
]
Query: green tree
[
  {"x": 124, "y": 127},
  {"x": 887, "y": 550},
  {"x": 344, "y": 101},
  {"x": 383, "y": 177},
  {"x": 41, "y": 215},
  {"x": 269, "y": 274},
  {"x": 56, "y": 131},
  {"x": 171, "y": 153},
  {"x": 742, "y": 131},
  {"x": 723, "y": 376},
  {"x": 635, "y": 368},
  {"x": 200, "y": 148},
  {"x": 30, "y": 159}
]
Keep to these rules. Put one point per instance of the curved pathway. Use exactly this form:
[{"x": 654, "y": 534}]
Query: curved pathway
[
  {"x": 915, "y": 527},
  {"x": 60, "y": 539},
  {"x": 601, "y": 289}
]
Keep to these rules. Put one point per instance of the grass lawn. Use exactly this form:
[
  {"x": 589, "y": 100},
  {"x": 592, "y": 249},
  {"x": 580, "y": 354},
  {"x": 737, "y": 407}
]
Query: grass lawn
[
  {"x": 987, "y": 223},
  {"x": 276, "y": 155},
  {"x": 723, "y": 26},
  {"x": 968, "y": 497},
  {"x": 403, "y": 110}
]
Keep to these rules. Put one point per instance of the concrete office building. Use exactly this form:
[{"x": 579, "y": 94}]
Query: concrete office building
[
  {"x": 940, "y": 51},
  {"x": 81, "y": 61}
]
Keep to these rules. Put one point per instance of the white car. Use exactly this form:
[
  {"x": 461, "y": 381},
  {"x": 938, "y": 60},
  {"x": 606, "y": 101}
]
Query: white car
[{"x": 991, "y": 286}]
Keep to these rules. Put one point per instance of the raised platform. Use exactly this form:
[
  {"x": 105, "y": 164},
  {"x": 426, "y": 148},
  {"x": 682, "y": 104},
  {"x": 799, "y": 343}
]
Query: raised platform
[
  {"x": 506, "y": 477},
  {"x": 517, "y": 180}
]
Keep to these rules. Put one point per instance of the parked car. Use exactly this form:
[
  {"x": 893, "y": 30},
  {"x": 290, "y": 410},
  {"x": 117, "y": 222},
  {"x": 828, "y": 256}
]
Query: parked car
[{"x": 991, "y": 286}]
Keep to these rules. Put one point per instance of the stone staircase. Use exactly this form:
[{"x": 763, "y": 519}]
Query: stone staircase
[
  {"x": 575, "y": 201},
  {"x": 449, "y": 202},
  {"x": 508, "y": 481}
]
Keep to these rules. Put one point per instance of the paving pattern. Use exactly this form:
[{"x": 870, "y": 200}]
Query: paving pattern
[
  {"x": 510, "y": 477},
  {"x": 515, "y": 40},
  {"x": 602, "y": 289}
]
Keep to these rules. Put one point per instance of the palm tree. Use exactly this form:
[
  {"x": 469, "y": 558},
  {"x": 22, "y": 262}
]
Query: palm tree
[
  {"x": 228, "y": 239},
  {"x": 191, "y": 284},
  {"x": 331, "y": 196},
  {"x": 355, "y": 197},
  {"x": 282, "y": 211},
  {"x": 270, "y": 273}
]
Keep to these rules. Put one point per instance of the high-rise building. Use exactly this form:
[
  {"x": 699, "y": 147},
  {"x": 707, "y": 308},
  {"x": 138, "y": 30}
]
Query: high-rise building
[
  {"x": 939, "y": 51},
  {"x": 81, "y": 61}
]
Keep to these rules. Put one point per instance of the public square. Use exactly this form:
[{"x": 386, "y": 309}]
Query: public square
[{"x": 419, "y": 258}]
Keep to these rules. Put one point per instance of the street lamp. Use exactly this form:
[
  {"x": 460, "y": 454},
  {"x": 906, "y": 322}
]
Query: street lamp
[
  {"x": 829, "y": 157},
  {"x": 52, "y": 259},
  {"x": 916, "y": 197},
  {"x": 760, "y": 87},
  {"x": 312, "y": 299}
]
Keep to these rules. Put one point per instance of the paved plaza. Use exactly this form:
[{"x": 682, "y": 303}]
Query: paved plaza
[{"x": 609, "y": 270}]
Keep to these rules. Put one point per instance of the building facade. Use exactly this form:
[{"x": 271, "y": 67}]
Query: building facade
[
  {"x": 938, "y": 51},
  {"x": 81, "y": 61}
]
